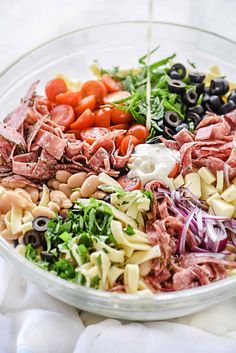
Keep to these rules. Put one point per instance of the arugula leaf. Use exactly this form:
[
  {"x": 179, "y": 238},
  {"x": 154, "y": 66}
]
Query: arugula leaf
[{"x": 129, "y": 230}]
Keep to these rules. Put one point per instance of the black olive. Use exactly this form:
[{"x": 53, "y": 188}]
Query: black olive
[
  {"x": 168, "y": 133},
  {"x": 196, "y": 77},
  {"x": 32, "y": 237},
  {"x": 193, "y": 117},
  {"x": 181, "y": 127},
  {"x": 40, "y": 223},
  {"x": 107, "y": 198},
  {"x": 215, "y": 103},
  {"x": 227, "y": 107},
  {"x": 207, "y": 90},
  {"x": 232, "y": 96},
  {"x": 46, "y": 256},
  {"x": 219, "y": 86},
  {"x": 176, "y": 86},
  {"x": 190, "y": 97},
  {"x": 200, "y": 87},
  {"x": 205, "y": 98},
  {"x": 174, "y": 74},
  {"x": 198, "y": 109},
  {"x": 180, "y": 69},
  {"x": 171, "y": 119},
  {"x": 15, "y": 243}
]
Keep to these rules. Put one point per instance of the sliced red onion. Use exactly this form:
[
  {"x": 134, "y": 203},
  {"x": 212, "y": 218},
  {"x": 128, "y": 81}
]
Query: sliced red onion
[
  {"x": 183, "y": 235},
  {"x": 216, "y": 236}
]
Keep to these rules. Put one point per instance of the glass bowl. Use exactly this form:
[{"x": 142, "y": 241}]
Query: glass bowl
[{"x": 116, "y": 44}]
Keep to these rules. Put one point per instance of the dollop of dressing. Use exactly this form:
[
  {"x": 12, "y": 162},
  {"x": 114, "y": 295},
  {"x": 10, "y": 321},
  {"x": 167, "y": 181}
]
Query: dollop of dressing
[{"x": 153, "y": 162}]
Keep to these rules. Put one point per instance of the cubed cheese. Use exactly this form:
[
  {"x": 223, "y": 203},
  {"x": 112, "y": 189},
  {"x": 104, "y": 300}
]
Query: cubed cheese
[
  {"x": 178, "y": 181},
  {"x": 234, "y": 204},
  {"x": 206, "y": 175},
  {"x": 229, "y": 194},
  {"x": 219, "y": 181},
  {"x": 215, "y": 196},
  {"x": 207, "y": 190},
  {"x": 193, "y": 183},
  {"x": 222, "y": 208}
]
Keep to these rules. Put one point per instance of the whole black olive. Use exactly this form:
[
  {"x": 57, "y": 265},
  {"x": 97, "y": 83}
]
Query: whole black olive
[
  {"x": 196, "y": 77},
  {"x": 168, "y": 133},
  {"x": 32, "y": 237},
  {"x": 174, "y": 74},
  {"x": 181, "y": 127},
  {"x": 180, "y": 69},
  {"x": 232, "y": 96},
  {"x": 200, "y": 87},
  {"x": 190, "y": 97},
  {"x": 215, "y": 103},
  {"x": 227, "y": 107},
  {"x": 46, "y": 256},
  {"x": 171, "y": 119},
  {"x": 193, "y": 117},
  {"x": 40, "y": 223},
  {"x": 176, "y": 86},
  {"x": 219, "y": 86},
  {"x": 198, "y": 109}
]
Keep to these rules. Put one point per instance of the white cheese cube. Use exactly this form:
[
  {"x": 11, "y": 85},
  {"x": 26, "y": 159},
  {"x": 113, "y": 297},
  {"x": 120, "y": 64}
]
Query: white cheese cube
[
  {"x": 207, "y": 190},
  {"x": 222, "y": 208},
  {"x": 178, "y": 181},
  {"x": 229, "y": 194},
  {"x": 219, "y": 181},
  {"x": 215, "y": 196},
  {"x": 206, "y": 175},
  {"x": 193, "y": 183},
  {"x": 234, "y": 204}
]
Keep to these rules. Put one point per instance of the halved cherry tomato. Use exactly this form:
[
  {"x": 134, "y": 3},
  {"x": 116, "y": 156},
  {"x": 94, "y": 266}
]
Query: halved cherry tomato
[
  {"x": 43, "y": 106},
  {"x": 139, "y": 131},
  {"x": 116, "y": 96},
  {"x": 174, "y": 171},
  {"x": 127, "y": 141},
  {"x": 86, "y": 103},
  {"x": 119, "y": 116},
  {"x": 93, "y": 134},
  {"x": 129, "y": 184},
  {"x": 85, "y": 120},
  {"x": 77, "y": 133},
  {"x": 102, "y": 117},
  {"x": 96, "y": 88},
  {"x": 54, "y": 87},
  {"x": 70, "y": 98},
  {"x": 119, "y": 140},
  {"x": 63, "y": 115},
  {"x": 123, "y": 126},
  {"x": 111, "y": 85}
]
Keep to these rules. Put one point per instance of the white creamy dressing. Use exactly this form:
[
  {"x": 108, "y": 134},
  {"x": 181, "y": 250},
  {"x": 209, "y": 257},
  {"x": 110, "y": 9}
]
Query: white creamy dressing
[{"x": 153, "y": 162}]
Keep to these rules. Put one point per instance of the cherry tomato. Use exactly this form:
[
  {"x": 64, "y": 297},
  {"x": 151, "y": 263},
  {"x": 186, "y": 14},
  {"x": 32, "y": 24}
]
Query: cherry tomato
[
  {"x": 93, "y": 134},
  {"x": 111, "y": 85},
  {"x": 63, "y": 115},
  {"x": 123, "y": 126},
  {"x": 77, "y": 133},
  {"x": 102, "y": 117},
  {"x": 129, "y": 184},
  {"x": 96, "y": 88},
  {"x": 54, "y": 87},
  {"x": 116, "y": 96},
  {"x": 43, "y": 106},
  {"x": 119, "y": 140},
  {"x": 127, "y": 141},
  {"x": 174, "y": 171},
  {"x": 139, "y": 131},
  {"x": 86, "y": 103},
  {"x": 85, "y": 120},
  {"x": 119, "y": 116},
  {"x": 70, "y": 98}
]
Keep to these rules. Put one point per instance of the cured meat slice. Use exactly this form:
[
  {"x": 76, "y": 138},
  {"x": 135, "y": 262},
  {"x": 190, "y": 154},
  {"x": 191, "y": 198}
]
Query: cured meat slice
[
  {"x": 173, "y": 145},
  {"x": 31, "y": 91},
  {"x": 216, "y": 131},
  {"x": 73, "y": 149},
  {"x": 186, "y": 158},
  {"x": 209, "y": 120},
  {"x": 231, "y": 161},
  {"x": 54, "y": 145},
  {"x": 10, "y": 134},
  {"x": 214, "y": 164},
  {"x": 97, "y": 159},
  {"x": 10, "y": 180},
  {"x": 183, "y": 136},
  {"x": 16, "y": 118}
]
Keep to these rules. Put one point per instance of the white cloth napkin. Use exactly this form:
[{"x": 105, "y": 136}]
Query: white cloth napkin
[{"x": 34, "y": 322}]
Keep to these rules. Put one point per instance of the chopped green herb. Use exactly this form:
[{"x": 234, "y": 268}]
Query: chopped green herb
[{"x": 129, "y": 230}]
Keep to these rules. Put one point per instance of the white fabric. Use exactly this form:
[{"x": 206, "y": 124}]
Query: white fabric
[{"x": 33, "y": 322}]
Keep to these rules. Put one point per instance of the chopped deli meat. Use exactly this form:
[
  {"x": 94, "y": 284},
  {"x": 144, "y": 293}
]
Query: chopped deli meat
[
  {"x": 53, "y": 144},
  {"x": 11, "y": 135},
  {"x": 31, "y": 91},
  {"x": 13, "y": 179},
  {"x": 16, "y": 118}
]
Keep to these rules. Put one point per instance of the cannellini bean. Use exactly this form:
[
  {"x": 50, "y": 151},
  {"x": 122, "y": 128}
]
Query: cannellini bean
[
  {"x": 99, "y": 195},
  {"x": 57, "y": 196},
  {"x": 50, "y": 181},
  {"x": 55, "y": 184},
  {"x": 54, "y": 206},
  {"x": 145, "y": 268},
  {"x": 66, "y": 203},
  {"x": 43, "y": 211},
  {"x": 75, "y": 196},
  {"x": 34, "y": 193},
  {"x": 62, "y": 176},
  {"x": 89, "y": 186},
  {"x": 64, "y": 212},
  {"x": 65, "y": 189},
  {"x": 76, "y": 180}
]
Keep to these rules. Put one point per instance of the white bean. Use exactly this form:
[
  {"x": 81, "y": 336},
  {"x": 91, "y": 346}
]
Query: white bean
[
  {"x": 75, "y": 196},
  {"x": 57, "y": 196},
  {"x": 66, "y": 203},
  {"x": 89, "y": 186},
  {"x": 43, "y": 211},
  {"x": 54, "y": 206},
  {"x": 76, "y": 180},
  {"x": 55, "y": 184},
  {"x": 65, "y": 189},
  {"x": 50, "y": 181},
  {"x": 64, "y": 213},
  {"x": 62, "y": 176},
  {"x": 34, "y": 193},
  {"x": 99, "y": 195}
]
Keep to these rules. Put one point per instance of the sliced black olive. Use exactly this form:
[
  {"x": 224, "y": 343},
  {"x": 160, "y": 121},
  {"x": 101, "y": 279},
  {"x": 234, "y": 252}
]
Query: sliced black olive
[
  {"x": 195, "y": 118},
  {"x": 181, "y": 127},
  {"x": 196, "y": 77},
  {"x": 176, "y": 86},
  {"x": 198, "y": 109},
  {"x": 190, "y": 97},
  {"x": 168, "y": 133},
  {"x": 200, "y": 87},
  {"x": 180, "y": 69},
  {"x": 40, "y": 223},
  {"x": 207, "y": 90},
  {"x": 215, "y": 103},
  {"x": 232, "y": 96},
  {"x": 205, "y": 98},
  {"x": 172, "y": 119},
  {"x": 227, "y": 107},
  {"x": 15, "y": 243},
  {"x": 46, "y": 256},
  {"x": 107, "y": 198},
  {"x": 32, "y": 237},
  {"x": 219, "y": 86},
  {"x": 174, "y": 74}
]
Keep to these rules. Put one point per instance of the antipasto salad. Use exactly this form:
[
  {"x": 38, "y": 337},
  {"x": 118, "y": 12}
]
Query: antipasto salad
[{"x": 92, "y": 195}]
